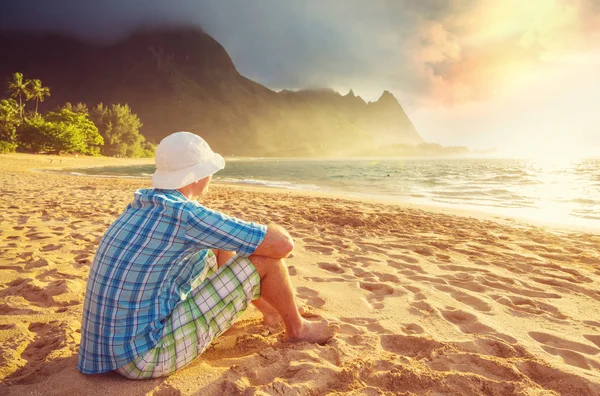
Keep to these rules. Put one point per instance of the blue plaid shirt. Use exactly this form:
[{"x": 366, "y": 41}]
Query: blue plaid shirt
[{"x": 148, "y": 260}]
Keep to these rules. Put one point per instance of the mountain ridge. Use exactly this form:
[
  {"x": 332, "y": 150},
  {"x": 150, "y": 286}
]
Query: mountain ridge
[{"x": 183, "y": 79}]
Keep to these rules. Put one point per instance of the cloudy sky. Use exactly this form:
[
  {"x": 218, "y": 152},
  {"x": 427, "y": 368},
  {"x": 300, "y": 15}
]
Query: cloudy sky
[{"x": 521, "y": 76}]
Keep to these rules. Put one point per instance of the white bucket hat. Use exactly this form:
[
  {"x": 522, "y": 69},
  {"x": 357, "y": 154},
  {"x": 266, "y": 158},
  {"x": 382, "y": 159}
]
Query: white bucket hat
[{"x": 183, "y": 158}]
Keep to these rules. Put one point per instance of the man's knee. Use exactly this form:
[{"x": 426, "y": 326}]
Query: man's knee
[{"x": 222, "y": 256}]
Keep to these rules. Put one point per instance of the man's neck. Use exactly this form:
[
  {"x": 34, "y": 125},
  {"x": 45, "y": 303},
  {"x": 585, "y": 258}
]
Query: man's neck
[{"x": 186, "y": 192}]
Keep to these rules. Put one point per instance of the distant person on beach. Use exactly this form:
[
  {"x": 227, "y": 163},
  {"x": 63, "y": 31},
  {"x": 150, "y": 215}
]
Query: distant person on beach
[{"x": 171, "y": 275}]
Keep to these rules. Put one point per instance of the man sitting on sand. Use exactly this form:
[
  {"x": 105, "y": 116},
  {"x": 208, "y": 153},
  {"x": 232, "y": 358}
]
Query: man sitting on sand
[{"x": 171, "y": 275}]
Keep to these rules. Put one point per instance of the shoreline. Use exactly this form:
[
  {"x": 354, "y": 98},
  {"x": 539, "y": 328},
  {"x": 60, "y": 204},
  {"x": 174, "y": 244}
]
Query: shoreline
[{"x": 460, "y": 210}]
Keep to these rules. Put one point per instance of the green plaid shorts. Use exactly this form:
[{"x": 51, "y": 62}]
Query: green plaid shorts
[{"x": 210, "y": 309}]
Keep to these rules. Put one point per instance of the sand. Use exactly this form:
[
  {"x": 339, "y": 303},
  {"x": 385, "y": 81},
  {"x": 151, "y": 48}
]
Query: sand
[{"x": 428, "y": 302}]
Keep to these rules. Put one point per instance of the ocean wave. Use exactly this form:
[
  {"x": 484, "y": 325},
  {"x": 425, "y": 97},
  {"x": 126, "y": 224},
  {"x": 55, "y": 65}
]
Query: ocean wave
[
  {"x": 585, "y": 201},
  {"x": 482, "y": 184},
  {"x": 271, "y": 183}
]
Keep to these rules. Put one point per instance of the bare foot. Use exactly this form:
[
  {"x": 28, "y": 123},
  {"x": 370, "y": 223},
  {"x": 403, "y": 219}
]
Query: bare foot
[
  {"x": 317, "y": 332},
  {"x": 272, "y": 319}
]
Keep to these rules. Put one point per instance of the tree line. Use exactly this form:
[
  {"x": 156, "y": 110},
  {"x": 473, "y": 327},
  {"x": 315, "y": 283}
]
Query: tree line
[{"x": 103, "y": 130}]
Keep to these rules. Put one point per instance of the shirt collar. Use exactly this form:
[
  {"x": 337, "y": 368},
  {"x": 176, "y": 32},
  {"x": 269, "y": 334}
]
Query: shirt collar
[{"x": 148, "y": 192}]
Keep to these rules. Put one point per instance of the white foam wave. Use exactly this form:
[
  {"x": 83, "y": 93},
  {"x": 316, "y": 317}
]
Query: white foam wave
[{"x": 271, "y": 183}]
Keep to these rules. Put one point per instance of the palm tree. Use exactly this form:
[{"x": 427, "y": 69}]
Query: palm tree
[
  {"x": 37, "y": 92},
  {"x": 19, "y": 88}
]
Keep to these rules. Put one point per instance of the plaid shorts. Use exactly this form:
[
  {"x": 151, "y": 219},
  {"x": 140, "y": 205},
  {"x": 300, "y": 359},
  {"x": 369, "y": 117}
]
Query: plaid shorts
[{"x": 210, "y": 309}]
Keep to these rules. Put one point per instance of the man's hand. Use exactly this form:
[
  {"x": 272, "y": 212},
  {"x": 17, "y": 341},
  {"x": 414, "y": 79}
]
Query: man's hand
[{"x": 278, "y": 243}]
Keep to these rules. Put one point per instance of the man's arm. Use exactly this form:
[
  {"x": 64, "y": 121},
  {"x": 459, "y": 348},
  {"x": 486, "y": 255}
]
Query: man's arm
[{"x": 278, "y": 243}]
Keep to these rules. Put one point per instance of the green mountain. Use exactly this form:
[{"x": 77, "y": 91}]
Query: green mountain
[{"x": 182, "y": 79}]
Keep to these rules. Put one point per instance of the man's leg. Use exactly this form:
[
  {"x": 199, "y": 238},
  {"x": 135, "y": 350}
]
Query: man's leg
[
  {"x": 270, "y": 316},
  {"x": 277, "y": 290}
]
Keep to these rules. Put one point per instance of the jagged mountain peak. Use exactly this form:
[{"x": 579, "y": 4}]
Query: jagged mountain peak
[{"x": 387, "y": 97}]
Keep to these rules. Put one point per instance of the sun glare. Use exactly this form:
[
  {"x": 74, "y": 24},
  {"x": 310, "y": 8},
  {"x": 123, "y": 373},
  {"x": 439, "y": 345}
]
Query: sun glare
[{"x": 549, "y": 153}]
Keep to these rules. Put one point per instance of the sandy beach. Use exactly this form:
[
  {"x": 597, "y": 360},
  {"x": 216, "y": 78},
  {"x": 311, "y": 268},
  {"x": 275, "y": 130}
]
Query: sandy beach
[{"x": 428, "y": 302}]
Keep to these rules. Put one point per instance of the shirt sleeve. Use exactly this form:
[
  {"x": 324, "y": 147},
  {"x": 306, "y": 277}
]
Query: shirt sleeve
[{"x": 212, "y": 229}]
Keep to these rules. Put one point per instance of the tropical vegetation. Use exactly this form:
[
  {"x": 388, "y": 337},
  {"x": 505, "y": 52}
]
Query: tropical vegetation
[{"x": 106, "y": 130}]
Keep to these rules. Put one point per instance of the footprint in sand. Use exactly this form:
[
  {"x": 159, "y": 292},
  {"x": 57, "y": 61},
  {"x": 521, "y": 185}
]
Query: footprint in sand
[
  {"x": 50, "y": 247},
  {"x": 34, "y": 236},
  {"x": 462, "y": 269},
  {"x": 572, "y": 358},
  {"x": 439, "y": 245},
  {"x": 292, "y": 270},
  {"x": 592, "y": 323},
  {"x": 469, "y": 324},
  {"x": 361, "y": 273},
  {"x": 421, "y": 308},
  {"x": 370, "y": 248},
  {"x": 370, "y": 324},
  {"x": 403, "y": 257},
  {"x": 364, "y": 261},
  {"x": 557, "y": 380},
  {"x": 554, "y": 341},
  {"x": 326, "y": 279},
  {"x": 593, "y": 338},
  {"x": 8, "y": 310},
  {"x": 428, "y": 279},
  {"x": 525, "y": 306},
  {"x": 49, "y": 337},
  {"x": 423, "y": 250},
  {"x": 331, "y": 267},
  {"x": 311, "y": 296},
  {"x": 412, "y": 328},
  {"x": 472, "y": 363},
  {"x": 465, "y": 298},
  {"x": 378, "y": 292},
  {"x": 412, "y": 346},
  {"x": 379, "y": 289},
  {"x": 348, "y": 329},
  {"x": 412, "y": 289},
  {"x": 386, "y": 277},
  {"x": 54, "y": 274},
  {"x": 561, "y": 285},
  {"x": 493, "y": 346},
  {"x": 459, "y": 317},
  {"x": 30, "y": 292},
  {"x": 42, "y": 297},
  {"x": 320, "y": 249},
  {"x": 38, "y": 263},
  {"x": 83, "y": 258},
  {"x": 483, "y": 283}
]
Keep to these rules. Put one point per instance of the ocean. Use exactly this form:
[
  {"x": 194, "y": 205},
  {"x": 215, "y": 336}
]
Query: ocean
[{"x": 557, "y": 192}]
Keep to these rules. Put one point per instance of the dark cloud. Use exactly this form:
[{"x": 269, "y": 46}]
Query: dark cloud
[{"x": 416, "y": 48}]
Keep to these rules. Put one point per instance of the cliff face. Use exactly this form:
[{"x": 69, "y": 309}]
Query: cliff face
[{"x": 182, "y": 79}]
